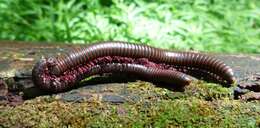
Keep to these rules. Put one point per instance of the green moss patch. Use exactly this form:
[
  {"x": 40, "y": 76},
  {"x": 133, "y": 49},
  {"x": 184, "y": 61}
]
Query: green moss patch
[{"x": 200, "y": 105}]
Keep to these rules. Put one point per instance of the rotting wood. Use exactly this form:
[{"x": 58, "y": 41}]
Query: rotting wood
[{"x": 18, "y": 58}]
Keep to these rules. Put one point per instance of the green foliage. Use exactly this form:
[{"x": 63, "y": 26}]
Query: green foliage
[{"x": 203, "y": 25}]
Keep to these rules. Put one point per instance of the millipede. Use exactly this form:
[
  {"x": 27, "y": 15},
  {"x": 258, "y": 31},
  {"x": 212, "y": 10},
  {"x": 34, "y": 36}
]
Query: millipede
[{"x": 63, "y": 72}]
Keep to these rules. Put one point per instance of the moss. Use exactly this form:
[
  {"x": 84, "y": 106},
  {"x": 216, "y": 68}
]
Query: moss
[
  {"x": 156, "y": 109},
  {"x": 208, "y": 91}
]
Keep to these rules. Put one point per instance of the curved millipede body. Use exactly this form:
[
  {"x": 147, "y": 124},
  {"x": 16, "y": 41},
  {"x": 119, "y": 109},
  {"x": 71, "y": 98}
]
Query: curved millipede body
[
  {"x": 54, "y": 69},
  {"x": 60, "y": 83},
  {"x": 185, "y": 59}
]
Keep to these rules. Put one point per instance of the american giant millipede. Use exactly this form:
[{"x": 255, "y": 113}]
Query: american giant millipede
[{"x": 58, "y": 74}]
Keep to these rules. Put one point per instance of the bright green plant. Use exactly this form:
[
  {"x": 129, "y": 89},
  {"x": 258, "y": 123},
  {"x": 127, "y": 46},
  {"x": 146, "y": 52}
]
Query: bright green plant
[{"x": 205, "y": 25}]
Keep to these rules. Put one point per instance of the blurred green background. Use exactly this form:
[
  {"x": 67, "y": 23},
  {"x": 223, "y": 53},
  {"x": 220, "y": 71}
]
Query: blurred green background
[{"x": 229, "y": 26}]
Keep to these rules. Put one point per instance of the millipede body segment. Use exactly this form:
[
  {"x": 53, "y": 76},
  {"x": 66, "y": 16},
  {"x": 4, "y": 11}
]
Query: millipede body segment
[{"x": 61, "y": 73}]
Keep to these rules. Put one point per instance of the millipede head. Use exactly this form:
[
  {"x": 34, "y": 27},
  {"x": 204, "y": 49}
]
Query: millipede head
[
  {"x": 229, "y": 76},
  {"x": 38, "y": 71},
  {"x": 41, "y": 73}
]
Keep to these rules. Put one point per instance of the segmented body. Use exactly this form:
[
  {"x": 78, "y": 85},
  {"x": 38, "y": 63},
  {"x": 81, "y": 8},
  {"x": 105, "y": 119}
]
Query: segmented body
[{"x": 88, "y": 57}]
